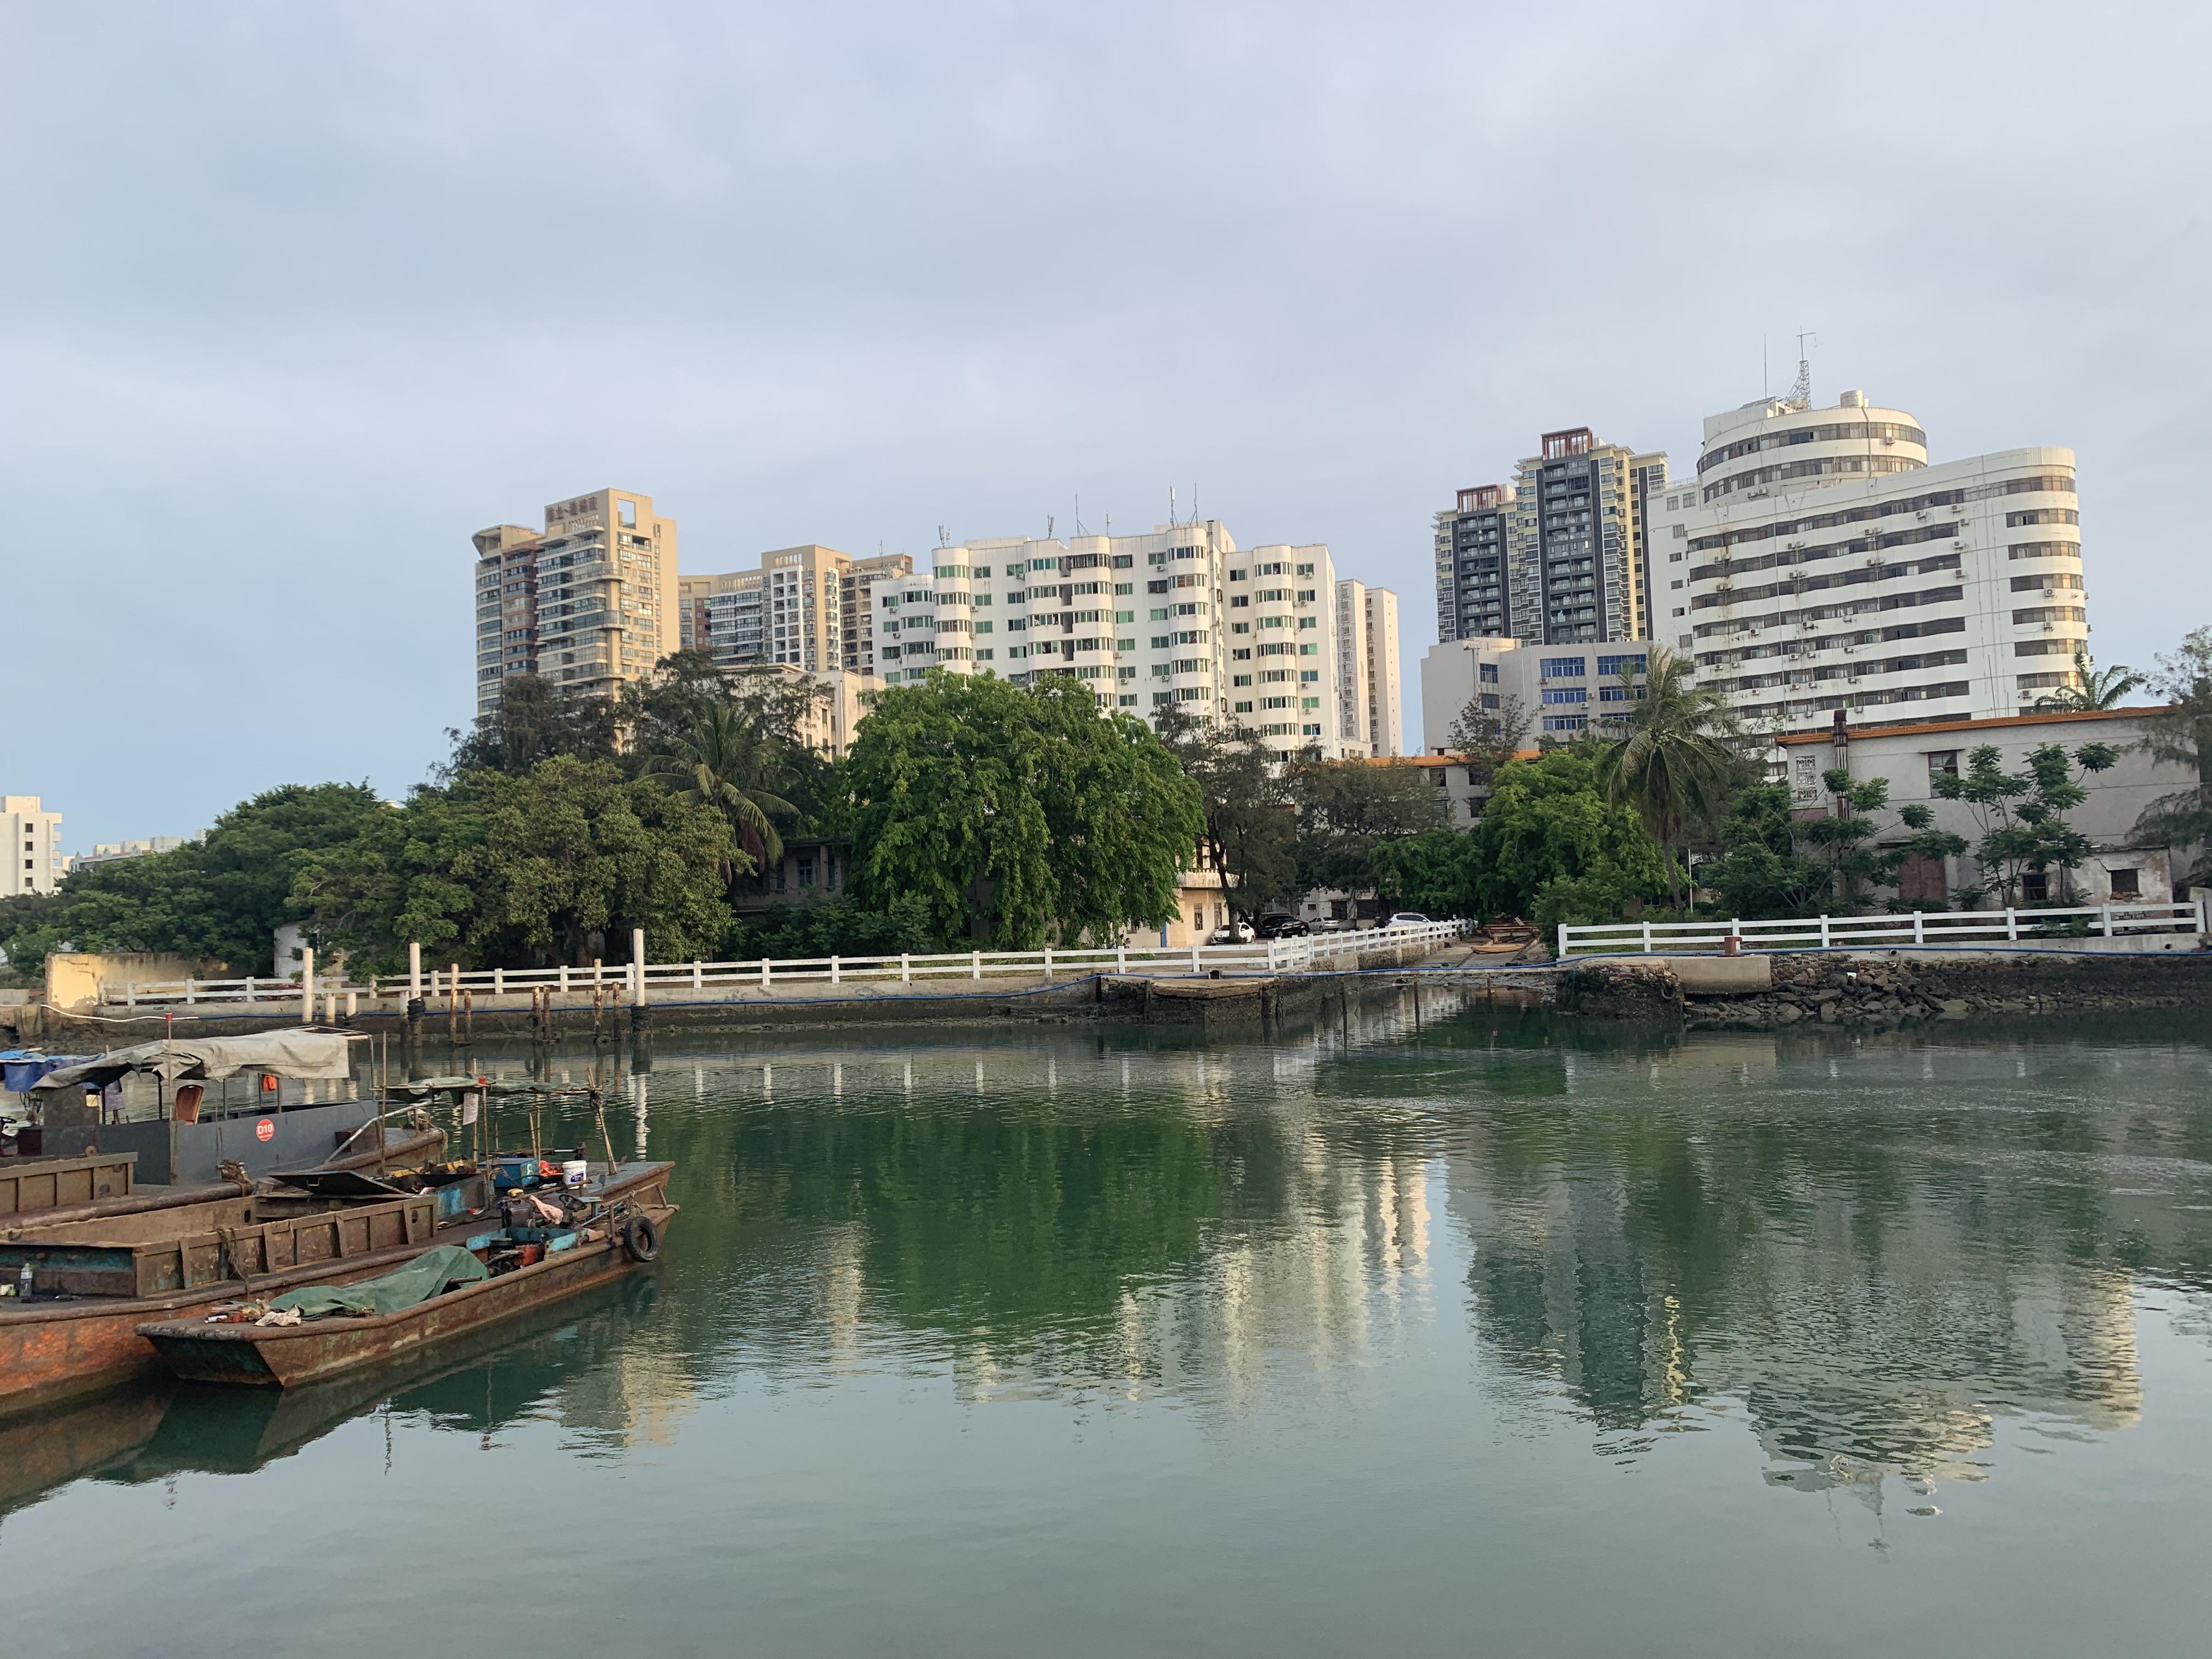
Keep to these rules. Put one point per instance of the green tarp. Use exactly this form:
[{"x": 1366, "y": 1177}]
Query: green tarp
[{"x": 426, "y": 1276}]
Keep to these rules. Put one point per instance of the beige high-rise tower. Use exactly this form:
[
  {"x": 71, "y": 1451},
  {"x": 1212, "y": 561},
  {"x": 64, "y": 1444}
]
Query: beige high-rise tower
[{"x": 587, "y": 603}]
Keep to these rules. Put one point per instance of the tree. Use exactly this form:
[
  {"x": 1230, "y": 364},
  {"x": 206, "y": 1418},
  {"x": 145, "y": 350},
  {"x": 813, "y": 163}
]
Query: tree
[
  {"x": 1349, "y": 811},
  {"x": 2093, "y": 689},
  {"x": 534, "y": 721},
  {"x": 1761, "y": 873},
  {"x": 1015, "y": 815},
  {"x": 1251, "y": 829},
  {"x": 222, "y": 897},
  {"x": 2180, "y": 735},
  {"x": 730, "y": 761},
  {"x": 1488, "y": 733},
  {"x": 556, "y": 866},
  {"x": 2022, "y": 815},
  {"x": 1551, "y": 827},
  {"x": 1673, "y": 763},
  {"x": 1840, "y": 837}
]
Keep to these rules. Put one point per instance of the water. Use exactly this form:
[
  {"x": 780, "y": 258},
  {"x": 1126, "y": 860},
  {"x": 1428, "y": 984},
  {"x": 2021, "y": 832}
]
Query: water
[{"x": 1492, "y": 1334}]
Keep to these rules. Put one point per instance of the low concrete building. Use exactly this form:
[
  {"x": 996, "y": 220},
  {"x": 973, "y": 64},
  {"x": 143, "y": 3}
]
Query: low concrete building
[{"x": 2123, "y": 870}]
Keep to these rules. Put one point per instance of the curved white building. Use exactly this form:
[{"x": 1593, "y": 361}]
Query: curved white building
[{"x": 1820, "y": 561}]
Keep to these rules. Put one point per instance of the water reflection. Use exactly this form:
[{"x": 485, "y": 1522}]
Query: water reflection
[{"x": 1863, "y": 1252}]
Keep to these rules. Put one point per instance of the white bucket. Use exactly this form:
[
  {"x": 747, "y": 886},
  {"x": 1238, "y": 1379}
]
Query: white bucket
[{"x": 574, "y": 1171}]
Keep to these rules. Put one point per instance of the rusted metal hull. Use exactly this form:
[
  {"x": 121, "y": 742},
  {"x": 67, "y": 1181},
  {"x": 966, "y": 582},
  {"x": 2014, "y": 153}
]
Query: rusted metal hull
[
  {"x": 30, "y": 1185},
  {"x": 55, "y": 1351},
  {"x": 295, "y": 1355}
]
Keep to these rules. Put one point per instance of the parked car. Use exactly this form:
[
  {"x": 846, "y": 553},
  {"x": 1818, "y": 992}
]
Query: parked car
[
  {"x": 1283, "y": 927},
  {"x": 1407, "y": 919},
  {"x": 1233, "y": 933}
]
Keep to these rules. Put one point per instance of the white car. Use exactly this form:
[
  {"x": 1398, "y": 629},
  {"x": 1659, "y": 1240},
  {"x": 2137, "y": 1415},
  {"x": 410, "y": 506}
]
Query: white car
[
  {"x": 1407, "y": 919},
  {"x": 1233, "y": 933}
]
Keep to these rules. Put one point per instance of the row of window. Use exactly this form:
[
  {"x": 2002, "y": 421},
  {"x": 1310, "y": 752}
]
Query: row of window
[
  {"x": 1819, "y": 466},
  {"x": 1729, "y": 594},
  {"x": 1818, "y": 613},
  {"x": 1725, "y": 567},
  {"x": 2069, "y": 579},
  {"x": 1828, "y": 432},
  {"x": 2042, "y": 550}
]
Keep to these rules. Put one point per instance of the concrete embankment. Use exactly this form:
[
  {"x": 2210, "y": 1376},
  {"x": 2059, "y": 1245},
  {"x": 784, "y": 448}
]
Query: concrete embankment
[
  {"x": 1882, "y": 987},
  {"x": 792, "y": 1004}
]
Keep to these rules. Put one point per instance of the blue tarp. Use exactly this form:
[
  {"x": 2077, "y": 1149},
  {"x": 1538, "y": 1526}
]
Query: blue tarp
[{"x": 20, "y": 1069}]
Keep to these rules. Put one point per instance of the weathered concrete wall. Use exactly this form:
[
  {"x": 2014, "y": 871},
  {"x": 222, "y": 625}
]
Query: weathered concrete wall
[
  {"x": 1888, "y": 987},
  {"x": 74, "y": 977}
]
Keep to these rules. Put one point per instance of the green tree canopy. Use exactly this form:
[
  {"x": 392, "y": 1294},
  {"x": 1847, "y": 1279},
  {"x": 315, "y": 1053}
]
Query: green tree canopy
[
  {"x": 1015, "y": 815},
  {"x": 1251, "y": 828},
  {"x": 2181, "y": 735},
  {"x": 497, "y": 871},
  {"x": 1349, "y": 811},
  {"x": 222, "y": 897},
  {"x": 1550, "y": 825},
  {"x": 1673, "y": 763}
]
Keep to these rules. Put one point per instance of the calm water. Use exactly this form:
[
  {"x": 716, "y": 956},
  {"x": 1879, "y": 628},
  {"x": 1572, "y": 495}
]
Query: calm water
[{"x": 1493, "y": 1335}]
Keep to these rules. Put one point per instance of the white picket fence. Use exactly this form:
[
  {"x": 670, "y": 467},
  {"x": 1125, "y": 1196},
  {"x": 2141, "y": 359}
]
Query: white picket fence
[
  {"x": 667, "y": 980},
  {"x": 1938, "y": 928}
]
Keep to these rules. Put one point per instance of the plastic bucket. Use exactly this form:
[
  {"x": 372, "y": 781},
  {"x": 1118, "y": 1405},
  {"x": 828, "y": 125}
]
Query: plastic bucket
[{"x": 574, "y": 1171}]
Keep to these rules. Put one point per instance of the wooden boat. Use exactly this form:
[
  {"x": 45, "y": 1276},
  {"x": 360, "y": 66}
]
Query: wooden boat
[
  {"x": 95, "y": 1280},
  {"x": 627, "y": 1213}
]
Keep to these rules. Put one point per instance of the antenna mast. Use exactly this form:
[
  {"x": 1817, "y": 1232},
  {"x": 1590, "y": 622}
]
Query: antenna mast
[{"x": 1800, "y": 393}]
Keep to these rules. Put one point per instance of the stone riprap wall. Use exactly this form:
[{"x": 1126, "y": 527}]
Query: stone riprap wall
[{"x": 1879, "y": 988}]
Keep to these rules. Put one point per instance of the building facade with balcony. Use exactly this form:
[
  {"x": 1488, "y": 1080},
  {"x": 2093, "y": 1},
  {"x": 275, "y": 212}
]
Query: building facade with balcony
[
  {"x": 1180, "y": 617},
  {"x": 586, "y": 604},
  {"x": 31, "y": 861},
  {"x": 1560, "y": 691},
  {"x": 1819, "y": 562},
  {"x": 1556, "y": 556}
]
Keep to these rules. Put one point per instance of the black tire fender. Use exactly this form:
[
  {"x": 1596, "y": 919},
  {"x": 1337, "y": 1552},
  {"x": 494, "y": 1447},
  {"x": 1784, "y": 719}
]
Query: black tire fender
[{"x": 640, "y": 1238}]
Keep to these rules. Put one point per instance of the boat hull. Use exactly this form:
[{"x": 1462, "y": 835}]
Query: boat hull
[{"x": 295, "y": 1355}]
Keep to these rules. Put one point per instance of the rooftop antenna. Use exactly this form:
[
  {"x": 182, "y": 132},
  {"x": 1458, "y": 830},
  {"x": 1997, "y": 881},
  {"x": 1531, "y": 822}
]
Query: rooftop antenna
[
  {"x": 1762, "y": 391},
  {"x": 1800, "y": 393},
  {"x": 1048, "y": 526},
  {"x": 1171, "y": 504},
  {"x": 1079, "y": 512}
]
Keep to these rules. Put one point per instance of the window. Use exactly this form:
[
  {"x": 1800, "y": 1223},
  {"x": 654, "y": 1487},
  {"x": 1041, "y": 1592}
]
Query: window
[
  {"x": 1613, "y": 666},
  {"x": 1567, "y": 694},
  {"x": 2035, "y": 886},
  {"x": 2127, "y": 884},
  {"x": 1565, "y": 722},
  {"x": 1490, "y": 700},
  {"x": 1490, "y": 673},
  {"x": 1942, "y": 762},
  {"x": 1564, "y": 668}
]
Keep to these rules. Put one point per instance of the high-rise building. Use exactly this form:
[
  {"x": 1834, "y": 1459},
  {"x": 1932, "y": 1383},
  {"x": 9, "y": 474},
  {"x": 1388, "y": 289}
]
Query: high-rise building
[
  {"x": 809, "y": 607},
  {"x": 1178, "y": 618},
  {"x": 1820, "y": 562},
  {"x": 1368, "y": 711},
  {"x": 30, "y": 856},
  {"x": 587, "y": 603},
  {"x": 1556, "y": 556},
  {"x": 1552, "y": 693}
]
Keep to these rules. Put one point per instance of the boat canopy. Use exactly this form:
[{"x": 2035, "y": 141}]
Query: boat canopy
[{"x": 209, "y": 1060}]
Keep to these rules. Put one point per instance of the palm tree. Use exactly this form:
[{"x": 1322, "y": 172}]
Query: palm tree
[
  {"x": 1673, "y": 762},
  {"x": 2095, "y": 688},
  {"x": 736, "y": 765}
]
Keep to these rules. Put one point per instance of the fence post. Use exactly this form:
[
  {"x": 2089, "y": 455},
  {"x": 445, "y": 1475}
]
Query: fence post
[
  {"x": 248, "y": 993},
  {"x": 637, "y": 964},
  {"x": 765, "y": 980},
  {"x": 307, "y": 984},
  {"x": 1647, "y": 939},
  {"x": 190, "y": 995},
  {"x": 1824, "y": 932},
  {"x": 499, "y": 982},
  {"x": 906, "y": 968},
  {"x": 1121, "y": 957},
  {"x": 1193, "y": 957},
  {"x": 564, "y": 979},
  {"x": 414, "y": 973},
  {"x": 1047, "y": 962},
  {"x": 975, "y": 964},
  {"x": 1563, "y": 941},
  {"x": 1919, "y": 928},
  {"x": 2012, "y": 924},
  {"x": 130, "y": 993},
  {"x": 698, "y": 974},
  {"x": 835, "y": 971},
  {"x": 2105, "y": 912}
]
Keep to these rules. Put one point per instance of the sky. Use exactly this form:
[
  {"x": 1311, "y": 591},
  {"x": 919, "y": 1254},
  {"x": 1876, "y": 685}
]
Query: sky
[{"x": 296, "y": 298}]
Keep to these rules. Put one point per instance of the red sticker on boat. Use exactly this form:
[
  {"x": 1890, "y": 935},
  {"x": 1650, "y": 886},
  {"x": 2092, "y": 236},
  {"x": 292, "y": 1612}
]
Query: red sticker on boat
[{"x": 264, "y": 1130}]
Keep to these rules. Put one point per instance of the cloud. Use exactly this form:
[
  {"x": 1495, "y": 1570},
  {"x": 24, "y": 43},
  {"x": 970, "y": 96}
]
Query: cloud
[{"x": 302, "y": 296}]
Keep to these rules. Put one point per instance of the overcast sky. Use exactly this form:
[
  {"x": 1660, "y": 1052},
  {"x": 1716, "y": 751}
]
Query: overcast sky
[{"x": 296, "y": 297}]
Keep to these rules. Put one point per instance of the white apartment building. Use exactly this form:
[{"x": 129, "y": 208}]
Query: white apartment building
[
  {"x": 1180, "y": 617},
  {"x": 31, "y": 860},
  {"x": 809, "y": 607},
  {"x": 1821, "y": 562},
  {"x": 1560, "y": 691},
  {"x": 587, "y": 603},
  {"x": 1369, "y": 709},
  {"x": 112, "y": 852}
]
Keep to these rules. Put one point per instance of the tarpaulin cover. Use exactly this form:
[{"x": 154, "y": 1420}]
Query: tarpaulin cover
[
  {"x": 20, "y": 1069},
  {"x": 283, "y": 1054},
  {"x": 426, "y": 1276}
]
